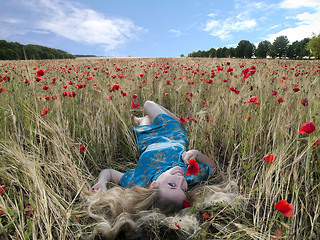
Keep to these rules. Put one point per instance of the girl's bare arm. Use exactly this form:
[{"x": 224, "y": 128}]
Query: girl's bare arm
[{"x": 107, "y": 175}]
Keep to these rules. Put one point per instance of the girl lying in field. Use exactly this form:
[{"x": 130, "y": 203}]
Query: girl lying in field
[{"x": 161, "y": 178}]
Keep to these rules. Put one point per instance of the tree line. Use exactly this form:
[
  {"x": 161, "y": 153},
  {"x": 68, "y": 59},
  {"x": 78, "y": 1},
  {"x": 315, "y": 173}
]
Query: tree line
[
  {"x": 17, "y": 51},
  {"x": 280, "y": 48}
]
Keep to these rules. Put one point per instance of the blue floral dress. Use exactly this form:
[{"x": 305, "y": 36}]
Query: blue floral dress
[{"x": 160, "y": 146}]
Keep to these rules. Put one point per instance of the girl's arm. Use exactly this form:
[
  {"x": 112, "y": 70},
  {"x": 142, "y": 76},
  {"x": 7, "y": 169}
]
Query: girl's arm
[
  {"x": 107, "y": 175},
  {"x": 200, "y": 157}
]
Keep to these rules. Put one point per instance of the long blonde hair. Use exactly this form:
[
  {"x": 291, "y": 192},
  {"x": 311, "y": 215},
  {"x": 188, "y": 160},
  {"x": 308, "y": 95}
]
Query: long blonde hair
[{"x": 132, "y": 209}]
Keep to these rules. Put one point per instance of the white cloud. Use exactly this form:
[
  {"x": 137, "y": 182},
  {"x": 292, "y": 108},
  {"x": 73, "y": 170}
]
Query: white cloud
[
  {"x": 223, "y": 28},
  {"x": 75, "y": 22},
  {"x": 299, "y": 3},
  {"x": 275, "y": 26},
  {"x": 11, "y": 20},
  {"x": 176, "y": 32},
  {"x": 306, "y": 23}
]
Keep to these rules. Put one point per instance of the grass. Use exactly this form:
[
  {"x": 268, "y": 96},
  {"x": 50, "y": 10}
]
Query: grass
[{"x": 41, "y": 164}]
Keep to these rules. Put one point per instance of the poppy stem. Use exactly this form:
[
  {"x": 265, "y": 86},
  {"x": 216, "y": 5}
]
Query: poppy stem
[
  {"x": 308, "y": 161},
  {"x": 17, "y": 111}
]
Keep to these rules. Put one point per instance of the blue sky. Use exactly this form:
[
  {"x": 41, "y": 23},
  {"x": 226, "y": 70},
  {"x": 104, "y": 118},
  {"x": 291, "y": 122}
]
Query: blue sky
[{"x": 154, "y": 28}]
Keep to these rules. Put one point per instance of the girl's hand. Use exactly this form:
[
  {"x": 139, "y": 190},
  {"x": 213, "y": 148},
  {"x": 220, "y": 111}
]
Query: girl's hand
[
  {"x": 99, "y": 185},
  {"x": 191, "y": 154}
]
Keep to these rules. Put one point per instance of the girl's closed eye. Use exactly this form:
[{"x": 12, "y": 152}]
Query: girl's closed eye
[
  {"x": 172, "y": 184},
  {"x": 184, "y": 190}
]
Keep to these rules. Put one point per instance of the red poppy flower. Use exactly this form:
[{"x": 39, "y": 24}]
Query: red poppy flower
[
  {"x": 236, "y": 91},
  {"x": 224, "y": 80},
  {"x": 64, "y": 94},
  {"x": 45, "y": 87},
  {"x": 116, "y": 87},
  {"x": 206, "y": 216},
  {"x": 177, "y": 225},
  {"x": 193, "y": 168},
  {"x": 204, "y": 103},
  {"x": 274, "y": 93},
  {"x": 82, "y": 147},
  {"x": 134, "y": 96},
  {"x": 134, "y": 105},
  {"x": 286, "y": 208},
  {"x": 254, "y": 100},
  {"x": 280, "y": 100},
  {"x": 186, "y": 204},
  {"x": 44, "y": 111},
  {"x": 249, "y": 117},
  {"x": 40, "y": 73},
  {"x": 2, "y": 188},
  {"x": 308, "y": 127},
  {"x": 38, "y": 79},
  {"x": 219, "y": 68},
  {"x": 305, "y": 102},
  {"x": 182, "y": 120},
  {"x": 277, "y": 235},
  {"x": 47, "y": 98},
  {"x": 229, "y": 69},
  {"x": 296, "y": 89},
  {"x": 28, "y": 210},
  {"x": 269, "y": 158},
  {"x": 316, "y": 143},
  {"x": 191, "y": 119}
]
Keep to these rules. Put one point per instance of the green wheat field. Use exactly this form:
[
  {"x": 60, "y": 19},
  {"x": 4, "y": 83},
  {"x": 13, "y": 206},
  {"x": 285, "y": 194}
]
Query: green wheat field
[{"x": 60, "y": 127}]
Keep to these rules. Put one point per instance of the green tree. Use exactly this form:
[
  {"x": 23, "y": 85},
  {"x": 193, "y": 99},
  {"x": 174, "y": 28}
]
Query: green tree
[
  {"x": 280, "y": 46},
  {"x": 232, "y": 52},
  {"x": 15, "y": 50},
  {"x": 263, "y": 48},
  {"x": 314, "y": 46},
  {"x": 240, "y": 49},
  {"x": 219, "y": 53},
  {"x": 301, "y": 50},
  {"x": 292, "y": 52},
  {"x": 212, "y": 52},
  {"x": 249, "y": 50}
]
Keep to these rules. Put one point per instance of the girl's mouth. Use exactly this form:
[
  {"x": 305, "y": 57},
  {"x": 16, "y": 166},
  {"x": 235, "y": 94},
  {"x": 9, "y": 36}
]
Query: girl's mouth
[{"x": 179, "y": 172}]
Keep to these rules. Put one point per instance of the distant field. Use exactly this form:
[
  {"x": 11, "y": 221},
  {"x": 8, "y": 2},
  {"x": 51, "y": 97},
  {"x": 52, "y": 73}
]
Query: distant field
[{"x": 237, "y": 111}]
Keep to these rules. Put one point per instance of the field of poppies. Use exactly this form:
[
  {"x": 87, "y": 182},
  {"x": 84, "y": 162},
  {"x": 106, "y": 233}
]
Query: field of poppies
[{"x": 62, "y": 121}]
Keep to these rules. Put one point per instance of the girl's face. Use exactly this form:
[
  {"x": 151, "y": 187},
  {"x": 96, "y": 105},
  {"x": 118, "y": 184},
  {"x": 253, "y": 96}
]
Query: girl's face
[{"x": 172, "y": 184}]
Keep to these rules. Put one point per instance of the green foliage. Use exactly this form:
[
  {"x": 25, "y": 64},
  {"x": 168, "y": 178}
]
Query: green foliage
[
  {"x": 17, "y": 51},
  {"x": 84, "y": 56},
  {"x": 245, "y": 49},
  {"x": 314, "y": 46},
  {"x": 279, "y": 47},
  {"x": 263, "y": 48}
]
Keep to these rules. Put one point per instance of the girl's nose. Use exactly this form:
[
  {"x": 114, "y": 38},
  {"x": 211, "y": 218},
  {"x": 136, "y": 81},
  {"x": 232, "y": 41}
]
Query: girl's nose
[{"x": 181, "y": 180}]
